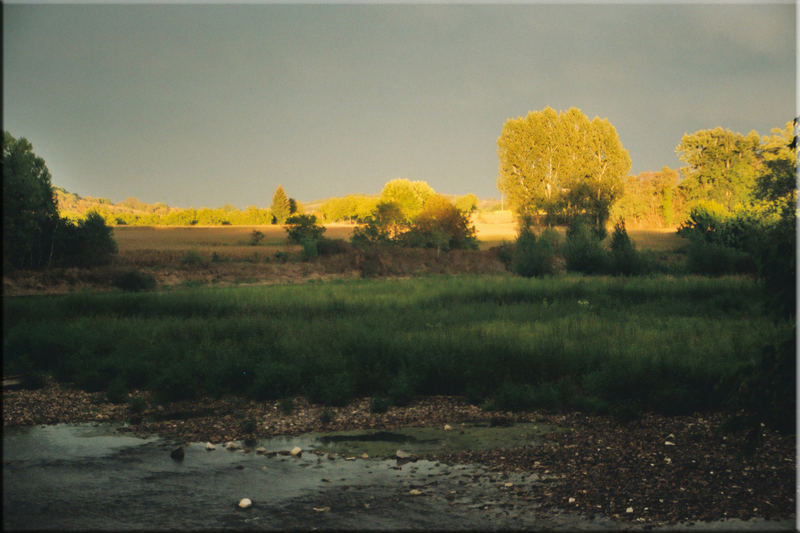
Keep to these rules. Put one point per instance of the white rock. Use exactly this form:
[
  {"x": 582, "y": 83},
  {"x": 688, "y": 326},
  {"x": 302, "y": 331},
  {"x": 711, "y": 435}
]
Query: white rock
[
  {"x": 364, "y": 455},
  {"x": 244, "y": 503},
  {"x": 668, "y": 460},
  {"x": 296, "y": 451},
  {"x": 508, "y": 485},
  {"x": 321, "y": 509},
  {"x": 448, "y": 427},
  {"x": 629, "y": 510},
  {"x": 571, "y": 500},
  {"x": 414, "y": 492},
  {"x": 261, "y": 450},
  {"x": 230, "y": 445},
  {"x": 402, "y": 455},
  {"x": 210, "y": 446}
]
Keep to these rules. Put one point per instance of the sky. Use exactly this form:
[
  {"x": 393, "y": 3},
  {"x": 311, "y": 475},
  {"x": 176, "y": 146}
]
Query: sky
[{"x": 206, "y": 105}]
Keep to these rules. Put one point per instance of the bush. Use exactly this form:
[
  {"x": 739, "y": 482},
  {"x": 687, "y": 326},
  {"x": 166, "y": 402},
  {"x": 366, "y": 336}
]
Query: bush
[
  {"x": 716, "y": 259},
  {"x": 624, "y": 258},
  {"x": 584, "y": 251},
  {"x": 326, "y": 247},
  {"x": 117, "y": 391},
  {"x": 505, "y": 253},
  {"x": 442, "y": 226},
  {"x": 532, "y": 256},
  {"x": 331, "y": 389},
  {"x": 310, "y": 251},
  {"x": 192, "y": 258},
  {"x": 255, "y": 238},
  {"x": 378, "y": 404},
  {"x": 302, "y": 228},
  {"x": 136, "y": 406},
  {"x": 133, "y": 280},
  {"x": 281, "y": 257},
  {"x": 85, "y": 244}
]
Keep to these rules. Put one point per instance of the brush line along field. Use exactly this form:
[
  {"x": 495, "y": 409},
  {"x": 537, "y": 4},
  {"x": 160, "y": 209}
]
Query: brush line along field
[{"x": 590, "y": 343}]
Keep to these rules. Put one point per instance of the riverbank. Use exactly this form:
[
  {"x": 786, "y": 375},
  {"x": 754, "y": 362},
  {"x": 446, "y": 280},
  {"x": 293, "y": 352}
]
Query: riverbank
[{"x": 656, "y": 470}]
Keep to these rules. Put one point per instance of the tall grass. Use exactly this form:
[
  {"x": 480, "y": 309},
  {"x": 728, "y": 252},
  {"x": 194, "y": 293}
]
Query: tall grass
[{"x": 599, "y": 344}]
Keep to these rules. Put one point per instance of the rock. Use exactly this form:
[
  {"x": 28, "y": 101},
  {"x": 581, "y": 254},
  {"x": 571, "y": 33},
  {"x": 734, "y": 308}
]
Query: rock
[
  {"x": 414, "y": 492},
  {"x": 230, "y": 445},
  {"x": 177, "y": 453},
  {"x": 210, "y": 446},
  {"x": 245, "y": 503},
  {"x": 349, "y": 458},
  {"x": 364, "y": 455},
  {"x": 261, "y": 450},
  {"x": 571, "y": 500},
  {"x": 296, "y": 451},
  {"x": 508, "y": 485},
  {"x": 629, "y": 510},
  {"x": 321, "y": 509},
  {"x": 400, "y": 454},
  {"x": 448, "y": 427}
]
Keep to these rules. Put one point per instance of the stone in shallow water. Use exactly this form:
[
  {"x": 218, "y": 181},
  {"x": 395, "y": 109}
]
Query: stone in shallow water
[
  {"x": 261, "y": 450},
  {"x": 210, "y": 446},
  {"x": 244, "y": 503},
  {"x": 296, "y": 451},
  {"x": 177, "y": 453},
  {"x": 230, "y": 445}
]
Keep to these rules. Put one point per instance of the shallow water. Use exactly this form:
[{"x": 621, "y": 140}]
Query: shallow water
[{"x": 83, "y": 476}]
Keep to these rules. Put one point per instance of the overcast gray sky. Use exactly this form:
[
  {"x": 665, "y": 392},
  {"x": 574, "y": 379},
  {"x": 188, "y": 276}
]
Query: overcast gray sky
[{"x": 205, "y": 105}]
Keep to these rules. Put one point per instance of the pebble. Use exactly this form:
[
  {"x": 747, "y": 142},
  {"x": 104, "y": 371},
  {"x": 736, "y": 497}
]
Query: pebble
[
  {"x": 261, "y": 450},
  {"x": 296, "y": 451},
  {"x": 414, "y": 492},
  {"x": 230, "y": 445},
  {"x": 210, "y": 446},
  {"x": 244, "y": 503}
]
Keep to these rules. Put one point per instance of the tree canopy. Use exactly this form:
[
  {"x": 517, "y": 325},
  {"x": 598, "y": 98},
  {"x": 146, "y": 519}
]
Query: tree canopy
[
  {"x": 561, "y": 165},
  {"x": 29, "y": 206},
  {"x": 721, "y": 166},
  {"x": 410, "y": 196}
]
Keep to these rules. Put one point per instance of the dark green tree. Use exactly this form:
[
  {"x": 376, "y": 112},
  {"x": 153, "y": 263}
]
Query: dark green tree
[{"x": 29, "y": 207}]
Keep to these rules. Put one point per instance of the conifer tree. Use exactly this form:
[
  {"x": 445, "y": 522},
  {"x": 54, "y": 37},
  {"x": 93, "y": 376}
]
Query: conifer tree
[{"x": 281, "y": 207}]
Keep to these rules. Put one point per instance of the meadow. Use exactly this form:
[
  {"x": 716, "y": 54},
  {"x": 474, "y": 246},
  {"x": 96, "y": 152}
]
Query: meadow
[{"x": 592, "y": 343}]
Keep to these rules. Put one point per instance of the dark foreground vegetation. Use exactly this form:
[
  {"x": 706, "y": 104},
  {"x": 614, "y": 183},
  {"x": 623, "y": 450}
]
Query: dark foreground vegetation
[{"x": 600, "y": 345}]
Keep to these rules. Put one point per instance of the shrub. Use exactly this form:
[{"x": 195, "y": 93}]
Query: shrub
[
  {"x": 136, "y": 406},
  {"x": 532, "y": 256},
  {"x": 133, "y": 280},
  {"x": 331, "y": 389},
  {"x": 401, "y": 391},
  {"x": 301, "y": 228},
  {"x": 326, "y": 417},
  {"x": 286, "y": 405},
  {"x": 117, "y": 391},
  {"x": 310, "y": 251},
  {"x": 505, "y": 253},
  {"x": 378, "y": 404},
  {"x": 281, "y": 256},
  {"x": 442, "y": 226},
  {"x": 715, "y": 259},
  {"x": 192, "y": 258},
  {"x": 255, "y": 238},
  {"x": 624, "y": 259},
  {"x": 326, "y": 247},
  {"x": 584, "y": 251}
]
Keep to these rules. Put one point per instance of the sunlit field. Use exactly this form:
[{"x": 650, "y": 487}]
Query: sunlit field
[
  {"x": 491, "y": 229},
  {"x": 597, "y": 344}
]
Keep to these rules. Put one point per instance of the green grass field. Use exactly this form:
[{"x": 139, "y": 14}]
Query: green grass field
[{"x": 591, "y": 343}]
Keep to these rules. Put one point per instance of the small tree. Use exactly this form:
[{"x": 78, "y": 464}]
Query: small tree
[
  {"x": 442, "y": 226},
  {"x": 301, "y": 228},
  {"x": 281, "y": 207}
]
